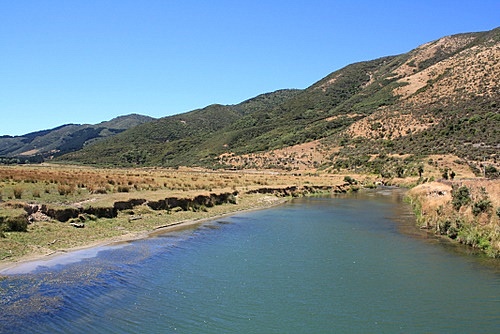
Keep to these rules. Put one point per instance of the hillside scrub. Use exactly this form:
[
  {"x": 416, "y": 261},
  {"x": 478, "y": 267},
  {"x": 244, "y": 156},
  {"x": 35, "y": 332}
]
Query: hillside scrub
[
  {"x": 425, "y": 102},
  {"x": 466, "y": 211}
]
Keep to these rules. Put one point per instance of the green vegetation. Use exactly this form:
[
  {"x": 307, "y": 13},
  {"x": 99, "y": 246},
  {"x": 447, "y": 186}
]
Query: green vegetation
[
  {"x": 457, "y": 122},
  {"x": 68, "y": 206},
  {"x": 468, "y": 218},
  {"x": 269, "y": 121},
  {"x": 13, "y": 219},
  {"x": 481, "y": 206},
  {"x": 460, "y": 197},
  {"x": 350, "y": 180},
  {"x": 36, "y": 146},
  {"x": 353, "y": 121}
]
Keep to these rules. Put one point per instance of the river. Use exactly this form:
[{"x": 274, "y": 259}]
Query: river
[{"x": 341, "y": 264}]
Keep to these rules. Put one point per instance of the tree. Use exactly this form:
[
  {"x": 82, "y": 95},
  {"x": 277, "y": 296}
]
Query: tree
[
  {"x": 400, "y": 171},
  {"x": 350, "y": 180},
  {"x": 490, "y": 172},
  {"x": 460, "y": 197},
  {"x": 420, "y": 171}
]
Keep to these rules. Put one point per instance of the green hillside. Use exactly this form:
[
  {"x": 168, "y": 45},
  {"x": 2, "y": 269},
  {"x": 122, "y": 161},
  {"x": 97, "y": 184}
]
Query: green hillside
[
  {"x": 441, "y": 97},
  {"x": 184, "y": 139},
  {"x": 40, "y": 145}
]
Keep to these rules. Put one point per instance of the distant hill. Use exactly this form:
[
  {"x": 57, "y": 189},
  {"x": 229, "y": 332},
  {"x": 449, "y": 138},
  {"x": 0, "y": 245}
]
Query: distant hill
[
  {"x": 173, "y": 140},
  {"x": 381, "y": 115},
  {"x": 65, "y": 138}
]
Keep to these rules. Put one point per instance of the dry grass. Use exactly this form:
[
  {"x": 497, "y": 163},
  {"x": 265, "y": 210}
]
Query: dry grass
[
  {"x": 470, "y": 73},
  {"x": 435, "y": 164},
  {"x": 434, "y": 207},
  {"x": 64, "y": 184},
  {"x": 473, "y": 71},
  {"x": 72, "y": 186},
  {"x": 387, "y": 124},
  {"x": 302, "y": 157}
]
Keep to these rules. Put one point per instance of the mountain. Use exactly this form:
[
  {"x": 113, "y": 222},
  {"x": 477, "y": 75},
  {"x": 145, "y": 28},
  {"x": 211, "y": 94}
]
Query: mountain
[
  {"x": 66, "y": 138},
  {"x": 181, "y": 139},
  {"x": 440, "y": 98}
]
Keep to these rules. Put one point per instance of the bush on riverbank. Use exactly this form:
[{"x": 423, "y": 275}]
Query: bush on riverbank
[
  {"x": 17, "y": 223},
  {"x": 462, "y": 210}
]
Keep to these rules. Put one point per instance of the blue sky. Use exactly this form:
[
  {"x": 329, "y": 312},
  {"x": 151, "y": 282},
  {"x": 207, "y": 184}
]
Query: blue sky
[{"x": 91, "y": 60}]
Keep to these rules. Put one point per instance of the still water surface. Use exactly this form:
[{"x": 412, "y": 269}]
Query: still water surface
[{"x": 315, "y": 265}]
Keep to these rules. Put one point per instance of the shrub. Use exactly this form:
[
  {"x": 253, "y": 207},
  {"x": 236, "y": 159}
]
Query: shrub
[
  {"x": 460, "y": 197},
  {"x": 15, "y": 224},
  {"x": 64, "y": 189},
  {"x": 498, "y": 212},
  {"x": 481, "y": 206},
  {"x": 100, "y": 191},
  {"x": 123, "y": 189},
  {"x": 370, "y": 185},
  {"x": 349, "y": 180},
  {"x": 400, "y": 171},
  {"x": 444, "y": 226},
  {"x": 354, "y": 188},
  {"x": 3, "y": 227},
  {"x": 491, "y": 172},
  {"x": 18, "y": 192},
  {"x": 420, "y": 171}
]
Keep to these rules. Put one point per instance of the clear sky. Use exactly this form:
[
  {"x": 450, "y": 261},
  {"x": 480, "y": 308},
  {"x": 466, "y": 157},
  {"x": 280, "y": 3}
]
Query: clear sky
[{"x": 87, "y": 61}]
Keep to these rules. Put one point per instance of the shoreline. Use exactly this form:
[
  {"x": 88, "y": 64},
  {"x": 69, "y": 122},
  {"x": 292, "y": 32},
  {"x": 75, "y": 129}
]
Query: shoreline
[
  {"x": 9, "y": 266},
  {"x": 470, "y": 217}
]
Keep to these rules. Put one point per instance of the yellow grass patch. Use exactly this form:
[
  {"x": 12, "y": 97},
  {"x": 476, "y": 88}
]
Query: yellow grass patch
[
  {"x": 387, "y": 124},
  {"x": 301, "y": 157}
]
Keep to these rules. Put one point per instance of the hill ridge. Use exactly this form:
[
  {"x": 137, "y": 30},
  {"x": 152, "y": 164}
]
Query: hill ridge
[
  {"x": 39, "y": 145},
  {"x": 439, "y": 98}
]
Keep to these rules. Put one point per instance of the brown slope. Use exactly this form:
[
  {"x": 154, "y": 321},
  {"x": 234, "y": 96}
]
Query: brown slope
[{"x": 466, "y": 72}]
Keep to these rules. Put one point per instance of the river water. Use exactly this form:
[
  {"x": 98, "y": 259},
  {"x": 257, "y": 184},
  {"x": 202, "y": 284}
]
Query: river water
[{"x": 342, "y": 264}]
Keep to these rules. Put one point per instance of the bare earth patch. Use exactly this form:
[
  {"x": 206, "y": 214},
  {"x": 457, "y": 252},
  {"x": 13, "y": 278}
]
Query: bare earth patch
[{"x": 307, "y": 156}]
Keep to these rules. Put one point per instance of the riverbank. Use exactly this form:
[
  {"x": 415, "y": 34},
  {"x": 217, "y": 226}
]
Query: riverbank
[
  {"x": 46, "y": 209},
  {"x": 467, "y": 211},
  {"x": 70, "y": 229},
  {"x": 53, "y": 210},
  {"x": 150, "y": 225}
]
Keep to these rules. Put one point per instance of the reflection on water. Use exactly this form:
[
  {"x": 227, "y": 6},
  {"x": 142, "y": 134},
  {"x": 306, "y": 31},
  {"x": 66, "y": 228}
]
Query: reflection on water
[{"x": 341, "y": 264}]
